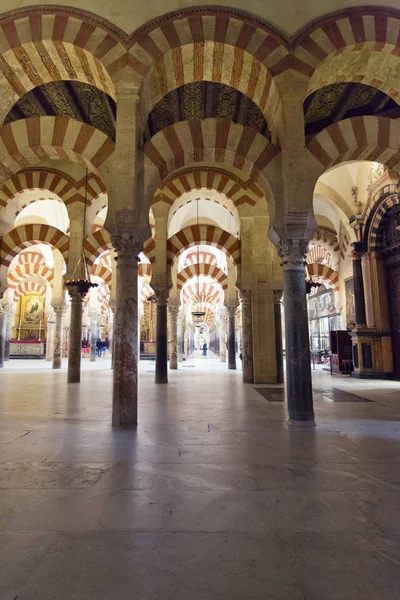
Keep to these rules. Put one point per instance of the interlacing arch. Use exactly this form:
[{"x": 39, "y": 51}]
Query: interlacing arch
[
  {"x": 102, "y": 272},
  {"x": 208, "y": 270},
  {"x": 24, "y": 270},
  {"x": 203, "y": 234},
  {"x": 359, "y": 138},
  {"x": 27, "y": 141},
  {"x": 316, "y": 270}
]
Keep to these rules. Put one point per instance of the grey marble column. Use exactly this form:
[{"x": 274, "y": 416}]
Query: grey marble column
[
  {"x": 94, "y": 334},
  {"x": 161, "y": 337},
  {"x": 223, "y": 327},
  {"x": 58, "y": 337},
  {"x": 247, "y": 335},
  {"x": 125, "y": 339},
  {"x": 231, "y": 338},
  {"x": 75, "y": 336},
  {"x": 3, "y": 318},
  {"x": 278, "y": 334},
  {"x": 50, "y": 337},
  {"x": 359, "y": 298},
  {"x": 10, "y": 316},
  {"x": 173, "y": 344},
  {"x": 180, "y": 340},
  {"x": 298, "y": 363}
]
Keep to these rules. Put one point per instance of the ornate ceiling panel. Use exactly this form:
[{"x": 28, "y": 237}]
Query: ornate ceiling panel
[
  {"x": 205, "y": 100},
  {"x": 68, "y": 99},
  {"x": 345, "y": 100}
]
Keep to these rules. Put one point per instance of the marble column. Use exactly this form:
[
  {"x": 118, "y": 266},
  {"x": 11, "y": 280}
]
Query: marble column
[
  {"x": 180, "y": 340},
  {"x": 161, "y": 337},
  {"x": 94, "y": 335},
  {"x": 298, "y": 362},
  {"x": 65, "y": 341},
  {"x": 173, "y": 357},
  {"x": 3, "y": 318},
  {"x": 223, "y": 326},
  {"x": 50, "y": 337},
  {"x": 247, "y": 335},
  {"x": 359, "y": 298},
  {"x": 10, "y": 316},
  {"x": 231, "y": 338},
  {"x": 75, "y": 336},
  {"x": 278, "y": 334},
  {"x": 58, "y": 338},
  {"x": 125, "y": 339}
]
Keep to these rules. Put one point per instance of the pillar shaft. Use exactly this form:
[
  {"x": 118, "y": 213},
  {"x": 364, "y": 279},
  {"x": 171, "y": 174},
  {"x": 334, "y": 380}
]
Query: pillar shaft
[
  {"x": 359, "y": 298},
  {"x": 50, "y": 339},
  {"x": 75, "y": 337},
  {"x": 173, "y": 358},
  {"x": 223, "y": 324},
  {"x": 247, "y": 336},
  {"x": 161, "y": 339},
  {"x": 2, "y": 336},
  {"x": 180, "y": 340},
  {"x": 231, "y": 338},
  {"x": 58, "y": 338},
  {"x": 125, "y": 340},
  {"x": 298, "y": 364},
  {"x": 93, "y": 338},
  {"x": 278, "y": 335}
]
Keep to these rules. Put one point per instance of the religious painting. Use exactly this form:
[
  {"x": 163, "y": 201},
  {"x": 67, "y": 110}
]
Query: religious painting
[
  {"x": 32, "y": 309},
  {"x": 350, "y": 306}
]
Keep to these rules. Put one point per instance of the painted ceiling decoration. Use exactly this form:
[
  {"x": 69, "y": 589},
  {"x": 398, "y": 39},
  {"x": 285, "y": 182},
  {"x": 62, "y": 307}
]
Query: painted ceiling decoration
[
  {"x": 206, "y": 100},
  {"x": 340, "y": 101},
  {"x": 68, "y": 99}
]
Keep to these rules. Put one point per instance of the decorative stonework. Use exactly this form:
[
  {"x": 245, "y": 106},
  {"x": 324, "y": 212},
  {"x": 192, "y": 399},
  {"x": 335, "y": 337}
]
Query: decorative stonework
[{"x": 293, "y": 254}]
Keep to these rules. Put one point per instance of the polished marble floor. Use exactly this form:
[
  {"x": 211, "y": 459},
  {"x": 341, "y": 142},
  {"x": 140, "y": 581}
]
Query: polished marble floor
[{"x": 211, "y": 498}]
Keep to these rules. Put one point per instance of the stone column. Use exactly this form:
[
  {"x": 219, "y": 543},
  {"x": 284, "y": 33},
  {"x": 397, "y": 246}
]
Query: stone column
[
  {"x": 359, "y": 299},
  {"x": 58, "y": 338},
  {"x": 50, "y": 336},
  {"x": 93, "y": 336},
  {"x": 10, "y": 316},
  {"x": 75, "y": 336},
  {"x": 180, "y": 351},
  {"x": 173, "y": 358},
  {"x": 3, "y": 318},
  {"x": 298, "y": 362},
  {"x": 125, "y": 342},
  {"x": 278, "y": 334},
  {"x": 223, "y": 326},
  {"x": 247, "y": 336},
  {"x": 161, "y": 337},
  {"x": 231, "y": 338}
]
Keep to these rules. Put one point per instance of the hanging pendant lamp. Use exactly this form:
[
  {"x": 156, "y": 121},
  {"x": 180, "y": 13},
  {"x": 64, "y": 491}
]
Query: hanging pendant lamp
[
  {"x": 198, "y": 313},
  {"x": 82, "y": 285}
]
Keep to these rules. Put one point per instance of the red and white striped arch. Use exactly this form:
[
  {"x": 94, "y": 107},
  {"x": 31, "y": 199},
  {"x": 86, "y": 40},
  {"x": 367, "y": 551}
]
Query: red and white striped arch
[
  {"x": 206, "y": 235},
  {"x": 26, "y": 287},
  {"x": 359, "y": 138},
  {"x": 196, "y": 270},
  {"x": 96, "y": 244},
  {"x": 26, "y": 235},
  {"x": 324, "y": 272}
]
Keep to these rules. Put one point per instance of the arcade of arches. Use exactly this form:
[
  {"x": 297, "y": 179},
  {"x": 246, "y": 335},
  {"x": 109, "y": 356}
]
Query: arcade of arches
[
  {"x": 232, "y": 161},
  {"x": 173, "y": 177}
]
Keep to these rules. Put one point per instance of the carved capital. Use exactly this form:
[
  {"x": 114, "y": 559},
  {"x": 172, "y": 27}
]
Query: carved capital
[
  {"x": 278, "y": 295},
  {"x": 59, "y": 310},
  {"x": 127, "y": 247},
  {"x": 75, "y": 295},
  {"x": 293, "y": 253},
  {"x": 231, "y": 310},
  {"x": 173, "y": 309},
  {"x": 161, "y": 294},
  {"x": 245, "y": 295},
  {"x": 357, "y": 250}
]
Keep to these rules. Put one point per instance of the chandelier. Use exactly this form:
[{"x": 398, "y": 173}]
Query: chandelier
[
  {"x": 82, "y": 285},
  {"x": 198, "y": 313}
]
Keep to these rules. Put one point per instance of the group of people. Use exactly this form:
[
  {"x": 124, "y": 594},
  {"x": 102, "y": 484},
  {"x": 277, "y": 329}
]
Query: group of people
[{"x": 101, "y": 347}]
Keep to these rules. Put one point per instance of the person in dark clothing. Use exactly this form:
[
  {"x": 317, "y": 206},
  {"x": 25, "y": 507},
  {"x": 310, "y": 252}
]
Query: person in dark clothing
[{"x": 204, "y": 349}]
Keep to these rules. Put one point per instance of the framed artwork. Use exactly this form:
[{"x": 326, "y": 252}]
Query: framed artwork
[
  {"x": 32, "y": 309},
  {"x": 350, "y": 307}
]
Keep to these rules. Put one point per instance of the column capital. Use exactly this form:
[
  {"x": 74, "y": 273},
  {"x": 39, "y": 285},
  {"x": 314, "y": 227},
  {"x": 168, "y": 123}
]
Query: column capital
[
  {"x": 127, "y": 246},
  {"x": 278, "y": 295},
  {"x": 245, "y": 295},
  {"x": 75, "y": 295},
  {"x": 357, "y": 249},
  {"x": 60, "y": 309},
  {"x": 161, "y": 294},
  {"x": 231, "y": 310},
  {"x": 173, "y": 309},
  {"x": 293, "y": 253}
]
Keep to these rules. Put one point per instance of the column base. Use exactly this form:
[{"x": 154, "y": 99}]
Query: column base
[
  {"x": 233, "y": 367},
  {"x": 304, "y": 423},
  {"x": 161, "y": 379}
]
